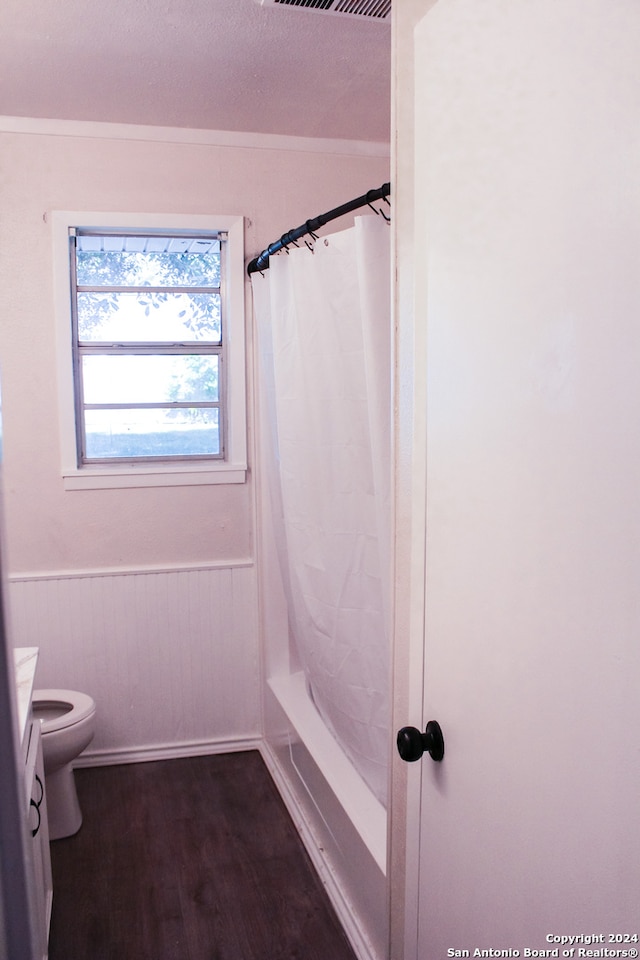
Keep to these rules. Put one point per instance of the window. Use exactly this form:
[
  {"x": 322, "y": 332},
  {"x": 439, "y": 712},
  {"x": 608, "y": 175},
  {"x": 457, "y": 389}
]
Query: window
[
  {"x": 148, "y": 355},
  {"x": 154, "y": 333}
]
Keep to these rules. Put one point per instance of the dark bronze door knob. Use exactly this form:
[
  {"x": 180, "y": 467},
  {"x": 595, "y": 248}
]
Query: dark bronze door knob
[{"x": 412, "y": 744}]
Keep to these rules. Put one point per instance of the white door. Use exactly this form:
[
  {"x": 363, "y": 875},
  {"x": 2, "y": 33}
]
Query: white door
[{"x": 528, "y": 269}]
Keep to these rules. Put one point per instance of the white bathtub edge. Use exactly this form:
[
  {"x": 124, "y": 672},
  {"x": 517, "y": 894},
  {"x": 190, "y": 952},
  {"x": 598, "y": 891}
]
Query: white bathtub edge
[
  {"x": 346, "y": 914},
  {"x": 364, "y": 810}
]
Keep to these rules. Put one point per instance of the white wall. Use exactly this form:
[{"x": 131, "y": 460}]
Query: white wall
[
  {"x": 144, "y": 597},
  {"x": 50, "y": 529},
  {"x": 170, "y": 657}
]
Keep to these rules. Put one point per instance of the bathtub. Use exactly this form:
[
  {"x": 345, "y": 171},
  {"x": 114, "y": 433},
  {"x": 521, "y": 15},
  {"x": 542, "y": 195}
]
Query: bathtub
[{"x": 342, "y": 824}]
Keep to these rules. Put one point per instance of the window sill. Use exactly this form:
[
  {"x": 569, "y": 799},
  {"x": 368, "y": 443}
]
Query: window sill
[{"x": 109, "y": 478}]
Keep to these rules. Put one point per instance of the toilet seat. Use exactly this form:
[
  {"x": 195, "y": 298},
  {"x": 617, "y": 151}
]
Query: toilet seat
[{"x": 73, "y": 706}]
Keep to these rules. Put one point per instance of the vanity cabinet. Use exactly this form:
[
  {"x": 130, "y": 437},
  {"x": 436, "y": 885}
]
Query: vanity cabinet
[
  {"x": 38, "y": 860},
  {"x": 40, "y": 866}
]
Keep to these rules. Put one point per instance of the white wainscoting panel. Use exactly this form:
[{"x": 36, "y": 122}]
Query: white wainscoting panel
[{"x": 170, "y": 657}]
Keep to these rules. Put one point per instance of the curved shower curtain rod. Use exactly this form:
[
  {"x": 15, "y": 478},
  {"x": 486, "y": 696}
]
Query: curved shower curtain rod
[{"x": 261, "y": 262}]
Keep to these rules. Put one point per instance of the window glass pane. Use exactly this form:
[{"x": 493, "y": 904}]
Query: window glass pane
[
  {"x": 126, "y": 266},
  {"x": 148, "y": 342},
  {"x": 151, "y": 379},
  {"x": 152, "y": 433},
  {"x": 140, "y": 317}
]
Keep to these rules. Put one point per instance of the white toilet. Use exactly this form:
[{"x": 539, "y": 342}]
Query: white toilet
[{"x": 68, "y": 723}]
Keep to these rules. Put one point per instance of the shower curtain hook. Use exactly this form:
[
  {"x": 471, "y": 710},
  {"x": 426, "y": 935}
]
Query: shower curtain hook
[
  {"x": 310, "y": 230},
  {"x": 308, "y": 246},
  {"x": 287, "y": 239},
  {"x": 371, "y": 193},
  {"x": 388, "y": 203},
  {"x": 379, "y": 213}
]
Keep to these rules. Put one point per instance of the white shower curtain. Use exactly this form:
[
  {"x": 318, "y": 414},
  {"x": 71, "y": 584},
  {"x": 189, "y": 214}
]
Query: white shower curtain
[{"x": 323, "y": 323}]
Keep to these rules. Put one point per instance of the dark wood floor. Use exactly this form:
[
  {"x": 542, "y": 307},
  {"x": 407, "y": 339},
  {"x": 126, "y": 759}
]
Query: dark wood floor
[{"x": 189, "y": 859}]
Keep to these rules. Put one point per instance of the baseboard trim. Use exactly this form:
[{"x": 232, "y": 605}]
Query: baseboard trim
[
  {"x": 196, "y": 748},
  {"x": 358, "y": 939}
]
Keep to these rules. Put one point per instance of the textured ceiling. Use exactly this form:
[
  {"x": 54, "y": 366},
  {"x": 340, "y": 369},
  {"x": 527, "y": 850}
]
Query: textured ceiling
[{"x": 209, "y": 64}]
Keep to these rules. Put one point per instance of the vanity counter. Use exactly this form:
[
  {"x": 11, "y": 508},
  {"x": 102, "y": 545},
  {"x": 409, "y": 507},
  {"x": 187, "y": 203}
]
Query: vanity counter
[{"x": 26, "y": 659}]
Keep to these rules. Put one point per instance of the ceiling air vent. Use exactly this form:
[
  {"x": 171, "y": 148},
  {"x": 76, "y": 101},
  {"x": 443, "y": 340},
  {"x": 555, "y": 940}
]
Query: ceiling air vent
[{"x": 369, "y": 9}]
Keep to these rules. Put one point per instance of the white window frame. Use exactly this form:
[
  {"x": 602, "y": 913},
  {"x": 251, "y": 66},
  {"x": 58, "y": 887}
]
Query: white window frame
[{"x": 100, "y": 476}]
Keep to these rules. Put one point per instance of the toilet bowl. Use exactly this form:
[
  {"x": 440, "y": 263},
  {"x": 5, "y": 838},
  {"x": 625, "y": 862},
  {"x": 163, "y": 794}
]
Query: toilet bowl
[{"x": 67, "y": 723}]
